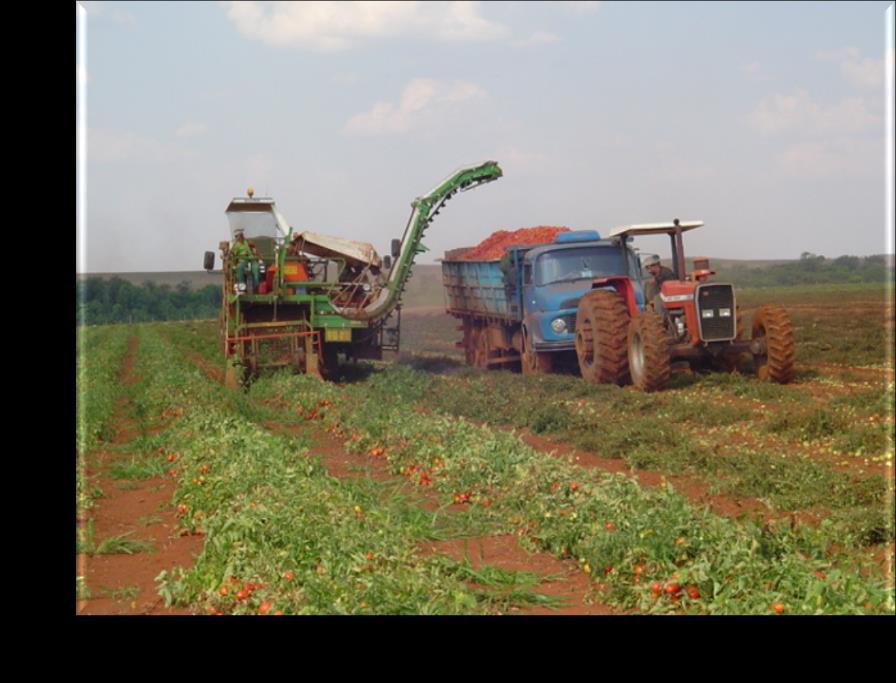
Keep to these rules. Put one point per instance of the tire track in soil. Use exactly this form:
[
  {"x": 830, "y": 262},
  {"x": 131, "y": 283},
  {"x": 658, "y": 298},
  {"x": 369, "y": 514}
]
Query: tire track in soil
[
  {"x": 568, "y": 583},
  {"x": 142, "y": 508}
]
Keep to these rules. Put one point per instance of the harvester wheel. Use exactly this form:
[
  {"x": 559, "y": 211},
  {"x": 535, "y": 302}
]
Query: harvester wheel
[
  {"x": 231, "y": 378},
  {"x": 601, "y": 333},
  {"x": 648, "y": 351},
  {"x": 772, "y": 327},
  {"x": 329, "y": 363},
  {"x": 531, "y": 361}
]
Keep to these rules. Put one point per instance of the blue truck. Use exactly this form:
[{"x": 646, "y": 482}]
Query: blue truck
[{"x": 524, "y": 307}]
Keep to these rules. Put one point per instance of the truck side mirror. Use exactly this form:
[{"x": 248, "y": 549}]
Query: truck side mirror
[
  {"x": 387, "y": 262},
  {"x": 209, "y": 262},
  {"x": 396, "y": 248}
]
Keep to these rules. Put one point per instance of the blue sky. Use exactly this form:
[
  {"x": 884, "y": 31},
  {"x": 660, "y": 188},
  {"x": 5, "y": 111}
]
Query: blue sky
[{"x": 766, "y": 120}]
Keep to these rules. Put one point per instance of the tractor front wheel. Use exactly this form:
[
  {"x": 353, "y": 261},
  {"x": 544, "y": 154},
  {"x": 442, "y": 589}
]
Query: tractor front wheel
[
  {"x": 601, "y": 328},
  {"x": 773, "y": 336},
  {"x": 648, "y": 352}
]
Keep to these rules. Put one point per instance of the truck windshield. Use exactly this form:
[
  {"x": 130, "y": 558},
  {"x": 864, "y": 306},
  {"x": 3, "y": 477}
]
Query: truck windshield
[{"x": 566, "y": 265}]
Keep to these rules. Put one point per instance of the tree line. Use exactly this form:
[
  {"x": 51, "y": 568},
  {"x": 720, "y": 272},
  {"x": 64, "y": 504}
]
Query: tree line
[
  {"x": 100, "y": 301},
  {"x": 811, "y": 269}
]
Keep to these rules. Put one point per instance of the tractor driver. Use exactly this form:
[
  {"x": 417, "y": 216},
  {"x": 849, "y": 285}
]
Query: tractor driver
[
  {"x": 658, "y": 275},
  {"x": 244, "y": 257}
]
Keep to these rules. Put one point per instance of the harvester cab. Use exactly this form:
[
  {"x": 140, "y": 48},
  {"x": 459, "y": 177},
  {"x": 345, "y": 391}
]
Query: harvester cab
[{"x": 695, "y": 320}]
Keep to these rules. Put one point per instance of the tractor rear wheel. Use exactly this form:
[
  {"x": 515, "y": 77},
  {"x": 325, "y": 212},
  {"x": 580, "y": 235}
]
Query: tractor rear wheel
[
  {"x": 648, "y": 351},
  {"x": 772, "y": 327},
  {"x": 601, "y": 334},
  {"x": 531, "y": 361}
]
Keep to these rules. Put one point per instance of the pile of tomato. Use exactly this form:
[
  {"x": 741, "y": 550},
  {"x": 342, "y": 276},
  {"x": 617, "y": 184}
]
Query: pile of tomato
[{"x": 492, "y": 247}]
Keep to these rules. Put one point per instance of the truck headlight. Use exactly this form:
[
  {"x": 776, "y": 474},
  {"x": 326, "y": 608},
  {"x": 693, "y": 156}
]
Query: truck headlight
[
  {"x": 558, "y": 325},
  {"x": 707, "y": 313},
  {"x": 724, "y": 312}
]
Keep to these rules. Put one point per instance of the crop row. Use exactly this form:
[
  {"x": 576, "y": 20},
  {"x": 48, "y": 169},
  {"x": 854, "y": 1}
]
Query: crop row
[
  {"x": 644, "y": 549},
  {"x": 281, "y": 535}
]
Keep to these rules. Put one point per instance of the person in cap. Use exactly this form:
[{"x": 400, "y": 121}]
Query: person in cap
[
  {"x": 244, "y": 257},
  {"x": 658, "y": 275}
]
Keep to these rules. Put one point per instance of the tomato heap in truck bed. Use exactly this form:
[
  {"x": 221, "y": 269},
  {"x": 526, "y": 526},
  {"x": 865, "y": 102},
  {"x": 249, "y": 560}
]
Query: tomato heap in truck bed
[{"x": 492, "y": 247}]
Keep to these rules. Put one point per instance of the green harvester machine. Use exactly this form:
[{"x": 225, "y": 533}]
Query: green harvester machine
[{"x": 317, "y": 296}]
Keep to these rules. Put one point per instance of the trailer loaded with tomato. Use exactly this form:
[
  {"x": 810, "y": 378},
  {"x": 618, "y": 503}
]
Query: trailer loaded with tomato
[
  {"x": 517, "y": 293},
  {"x": 536, "y": 297}
]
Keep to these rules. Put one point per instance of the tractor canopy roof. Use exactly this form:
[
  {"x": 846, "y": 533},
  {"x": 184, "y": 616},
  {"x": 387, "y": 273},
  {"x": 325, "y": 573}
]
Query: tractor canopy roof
[
  {"x": 257, "y": 217},
  {"x": 654, "y": 228}
]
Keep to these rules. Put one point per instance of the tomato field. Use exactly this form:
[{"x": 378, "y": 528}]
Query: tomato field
[{"x": 421, "y": 486}]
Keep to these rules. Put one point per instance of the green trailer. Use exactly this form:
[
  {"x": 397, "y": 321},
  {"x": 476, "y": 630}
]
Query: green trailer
[{"x": 319, "y": 298}]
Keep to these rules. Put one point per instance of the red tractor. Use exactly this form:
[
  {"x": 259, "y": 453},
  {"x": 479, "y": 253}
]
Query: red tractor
[{"x": 621, "y": 336}]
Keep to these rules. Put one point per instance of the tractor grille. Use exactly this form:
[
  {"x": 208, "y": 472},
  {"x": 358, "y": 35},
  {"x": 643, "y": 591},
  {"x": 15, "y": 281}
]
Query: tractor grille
[{"x": 715, "y": 312}]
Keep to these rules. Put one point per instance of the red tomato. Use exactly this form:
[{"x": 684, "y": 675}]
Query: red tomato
[
  {"x": 673, "y": 589},
  {"x": 656, "y": 588},
  {"x": 693, "y": 593},
  {"x": 264, "y": 607}
]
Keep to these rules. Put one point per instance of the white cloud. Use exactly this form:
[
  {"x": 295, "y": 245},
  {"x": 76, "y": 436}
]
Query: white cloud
[
  {"x": 420, "y": 98},
  {"x": 107, "y": 146},
  {"x": 842, "y": 157},
  {"x": 861, "y": 73},
  {"x": 331, "y": 26},
  {"x": 191, "y": 129},
  {"x": 798, "y": 112}
]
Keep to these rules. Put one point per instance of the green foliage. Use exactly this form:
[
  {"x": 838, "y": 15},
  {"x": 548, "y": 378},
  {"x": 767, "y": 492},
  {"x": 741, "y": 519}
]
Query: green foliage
[
  {"x": 810, "y": 270},
  {"x": 101, "y": 301}
]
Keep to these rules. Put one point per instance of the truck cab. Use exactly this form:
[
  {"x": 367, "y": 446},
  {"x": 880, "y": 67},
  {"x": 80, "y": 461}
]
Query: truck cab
[{"x": 553, "y": 278}]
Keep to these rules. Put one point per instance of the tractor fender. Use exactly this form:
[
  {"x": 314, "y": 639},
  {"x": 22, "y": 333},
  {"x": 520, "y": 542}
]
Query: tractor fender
[{"x": 624, "y": 288}]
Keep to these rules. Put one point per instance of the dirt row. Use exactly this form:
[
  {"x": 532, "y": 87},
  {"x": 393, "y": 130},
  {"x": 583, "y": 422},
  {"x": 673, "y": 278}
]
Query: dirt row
[
  {"x": 567, "y": 582},
  {"x": 122, "y": 583}
]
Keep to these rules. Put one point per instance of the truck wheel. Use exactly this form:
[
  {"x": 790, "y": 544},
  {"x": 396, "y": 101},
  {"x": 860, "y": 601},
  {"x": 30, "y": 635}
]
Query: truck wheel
[
  {"x": 772, "y": 327},
  {"x": 532, "y": 362},
  {"x": 469, "y": 343},
  {"x": 648, "y": 351},
  {"x": 601, "y": 334},
  {"x": 480, "y": 348}
]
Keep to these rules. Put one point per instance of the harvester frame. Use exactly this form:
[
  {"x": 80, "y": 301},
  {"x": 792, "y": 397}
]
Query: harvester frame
[{"x": 320, "y": 295}]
